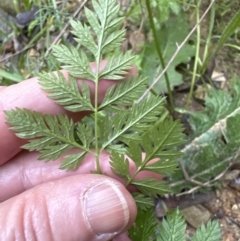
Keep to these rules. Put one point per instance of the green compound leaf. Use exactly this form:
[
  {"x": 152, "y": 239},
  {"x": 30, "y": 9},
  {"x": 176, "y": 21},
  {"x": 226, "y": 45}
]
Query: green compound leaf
[
  {"x": 66, "y": 93},
  {"x": 117, "y": 66},
  {"x": 209, "y": 232},
  {"x": 137, "y": 118},
  {"x": 162, "y": 167},
  {"x": 151, "y": 187},
  {"x": 143, "y": 202},
  {"x": 72, "y": 162},
  {"x": 76, "y": 62},
  {"x": 124, "y": 93},
  {"x": 85, "y": 134},
  {"x": 53, "y": 135},
  {"x": 165, "y": 135},
  {"x": 119, "y": 165},
  {"x": 84, "y": 36},
  {"x": 144, "y": 228},
  {"x": 172, "y": 228}
]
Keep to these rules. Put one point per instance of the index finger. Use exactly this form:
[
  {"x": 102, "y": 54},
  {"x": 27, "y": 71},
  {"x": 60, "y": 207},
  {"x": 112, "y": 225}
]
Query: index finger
[{"x": 28, "y": 94}]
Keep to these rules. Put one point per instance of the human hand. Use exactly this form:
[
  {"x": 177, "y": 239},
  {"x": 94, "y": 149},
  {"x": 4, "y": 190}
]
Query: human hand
[{"x": 41, "y": 202}]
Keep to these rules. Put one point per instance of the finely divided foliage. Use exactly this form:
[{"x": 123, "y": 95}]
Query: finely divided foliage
[{"x": 121, "y": 124}]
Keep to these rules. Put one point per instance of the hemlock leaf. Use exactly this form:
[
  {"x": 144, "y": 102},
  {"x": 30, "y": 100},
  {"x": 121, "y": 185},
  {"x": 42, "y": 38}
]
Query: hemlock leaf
[
  {"x": 137, "y": 118},
  {"x": 143, "y": 202},
  {"x": 124, "y": 94},
  {"x": 172, "y": 228},
  {"x": 112, "y": 36},
  {"x": 119, "y": 165},
  {"x": 162, "y": 167},
  {"x": 53, "y": 135},
  {"x": 66, "y": 93},
  {"x": 83, "y": 34},
  {"x": 76, "y": 62},
  {"x": 51, "y": 152},
  {"x": 151, "y": 187},
  {"x": 104, "y": 127},
  {"x": 121, "y": 124},
  {"x": 157, "y": 140},
  {"x": 134, "y": 152},
  {"x": 72, "y": 162},
  {"x": 117, "y": 66},
  {"x": 84, "y": 133},
  {"x": 144, "y": 228},
  {"x": 209, "y": 232}
]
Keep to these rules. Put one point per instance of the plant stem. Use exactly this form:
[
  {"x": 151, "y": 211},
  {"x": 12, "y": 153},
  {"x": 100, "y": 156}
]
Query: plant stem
[
  {"x": 208, "y": 42},
  {"x": 98, "y": 59},
  {"x": 196, "y": 55},
  {"x": 159, "y": 51}
]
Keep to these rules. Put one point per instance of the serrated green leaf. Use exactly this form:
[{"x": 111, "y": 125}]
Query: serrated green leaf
[
  {"x": 137, "y": 118},
  {"x": 144, "y": 227},
  {"x": 109, "y": 38},
  {"x": 172, "y": 228},
  {"x": 117, "y": 66},
  {"x": 85, "y": 134},
  {"x": 93, "y": 21},
  {"x": 104, "y": 128},
  {"x": 83, "y": 34},
  {"x": 124, "y": 93},
  {"x": 162, "y": 167},
  {"x": 72, "y": 162},
  {"x": 51, "y": 152},
  {"x": 119, "y": 165},
  {"x": 48, "y": 133},
  {"x": 40, "y": 144},
  {"x": 119, "y": 148},
  {"x": 151, "y": 187},
  {"x": 113, "y": 41},
  {"x": 165, "y": 135},
  {"x": 66, "y": 93},
  {"x": 134, "y": 152},
  {"x": 74, "y": 61},
  {"x": 210, "y": 232},
  {"x": 143, "y": 202}
]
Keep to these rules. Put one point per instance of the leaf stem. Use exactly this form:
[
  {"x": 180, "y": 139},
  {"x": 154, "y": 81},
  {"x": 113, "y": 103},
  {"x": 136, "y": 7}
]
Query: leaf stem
[{"x": 98, "y": 59}]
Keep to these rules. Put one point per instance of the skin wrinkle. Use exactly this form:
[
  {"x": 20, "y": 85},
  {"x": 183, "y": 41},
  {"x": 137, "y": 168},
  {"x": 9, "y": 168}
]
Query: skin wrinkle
[
  {"x": 38, "y": 231},
  {"x": 26, "y": 180}
]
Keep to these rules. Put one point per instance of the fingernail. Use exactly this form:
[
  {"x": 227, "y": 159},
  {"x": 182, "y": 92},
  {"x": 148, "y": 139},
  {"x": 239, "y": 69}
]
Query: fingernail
[{"x": 106, "y": 209}]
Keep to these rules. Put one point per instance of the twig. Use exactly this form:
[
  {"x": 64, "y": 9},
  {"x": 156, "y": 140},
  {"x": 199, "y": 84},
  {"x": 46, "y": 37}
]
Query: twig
[
  {"x": 176, "y": 52},
  {"x": 18, "y": 52},
  {"x": 206, "y": 184},
  {"x": 56, "y": 40}
]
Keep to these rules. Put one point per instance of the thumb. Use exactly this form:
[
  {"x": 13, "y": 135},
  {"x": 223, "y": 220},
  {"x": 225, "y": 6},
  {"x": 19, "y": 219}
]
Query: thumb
[{"x": 83, "y": 207}]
